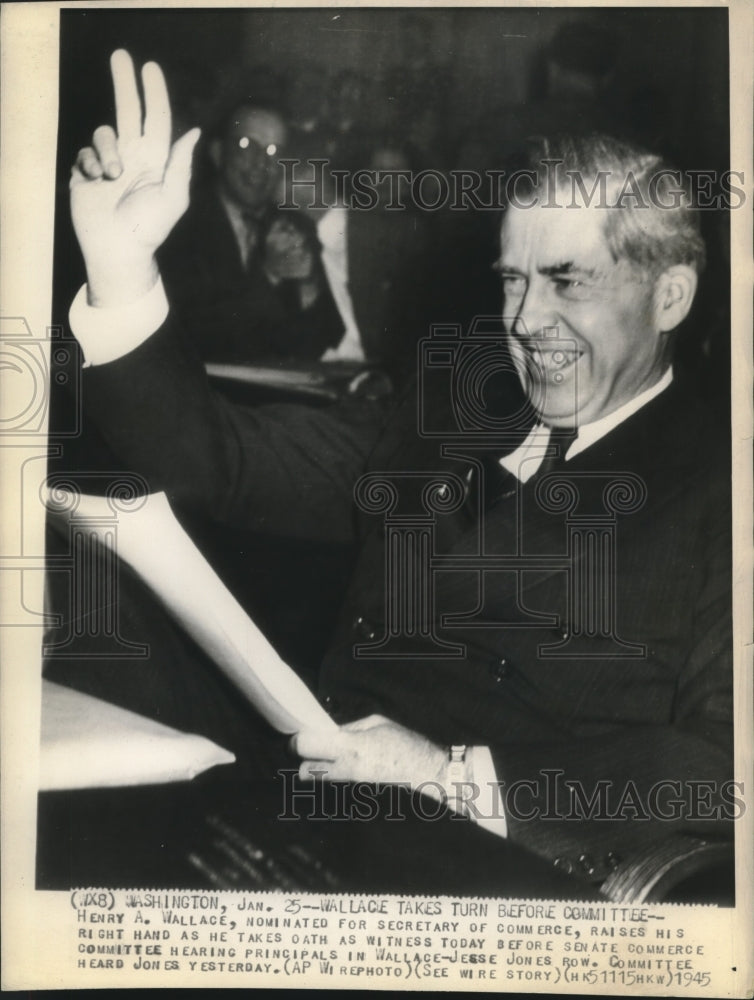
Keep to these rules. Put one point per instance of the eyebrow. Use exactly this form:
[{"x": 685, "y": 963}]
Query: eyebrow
[{"x": 567, "y": 268}]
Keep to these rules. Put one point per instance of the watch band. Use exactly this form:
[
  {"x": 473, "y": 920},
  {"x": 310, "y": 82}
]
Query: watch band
[{"x": 456, "y": 777}]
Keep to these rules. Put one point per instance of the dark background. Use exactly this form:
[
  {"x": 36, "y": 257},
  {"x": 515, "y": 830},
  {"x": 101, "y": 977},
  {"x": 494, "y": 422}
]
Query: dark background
[
  {"x": 482, "y": 71},
  {"x": 669, "y": 65}
]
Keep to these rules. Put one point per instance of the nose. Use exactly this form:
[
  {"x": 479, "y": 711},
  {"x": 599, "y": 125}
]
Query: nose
[
  {"x": 255, "y": 159},
  {"x": 252, "y": 153},
  {"x": 535, "y": 317}
]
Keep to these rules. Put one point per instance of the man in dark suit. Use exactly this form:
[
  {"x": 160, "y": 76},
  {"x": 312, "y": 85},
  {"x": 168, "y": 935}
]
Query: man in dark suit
[
  {"x": 384, "y": 266},
  {"x": 558, "y": 654},
  {"x": 245, "y": 277}
]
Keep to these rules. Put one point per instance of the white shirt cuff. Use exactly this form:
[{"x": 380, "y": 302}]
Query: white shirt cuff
[
  {"x": 487, "y": 807},
  {"x": 110, "y": 333}
]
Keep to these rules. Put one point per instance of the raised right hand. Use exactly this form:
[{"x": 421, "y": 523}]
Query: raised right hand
[{"x": 130, "y": 187}]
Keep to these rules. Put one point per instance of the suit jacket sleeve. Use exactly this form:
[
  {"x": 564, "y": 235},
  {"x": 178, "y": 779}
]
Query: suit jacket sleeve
[
  {"x": 236, "y": 315},
  {"x": 284, "y": 469},
  {"x": 296, "y": 332}
]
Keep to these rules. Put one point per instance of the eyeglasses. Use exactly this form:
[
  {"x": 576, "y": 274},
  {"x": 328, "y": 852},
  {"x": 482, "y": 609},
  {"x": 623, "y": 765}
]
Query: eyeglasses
[{"x": 252, "y": 147}]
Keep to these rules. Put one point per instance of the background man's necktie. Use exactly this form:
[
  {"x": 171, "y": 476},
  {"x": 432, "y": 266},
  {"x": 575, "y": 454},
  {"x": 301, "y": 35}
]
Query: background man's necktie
[{"x": 251, "y": 226}]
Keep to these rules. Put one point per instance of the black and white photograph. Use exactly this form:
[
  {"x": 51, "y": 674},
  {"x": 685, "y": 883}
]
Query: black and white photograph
[{"x": 384, "y": 528}]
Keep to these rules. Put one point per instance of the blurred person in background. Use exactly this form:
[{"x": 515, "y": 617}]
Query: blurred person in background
[{"x": 246, "y": 277}]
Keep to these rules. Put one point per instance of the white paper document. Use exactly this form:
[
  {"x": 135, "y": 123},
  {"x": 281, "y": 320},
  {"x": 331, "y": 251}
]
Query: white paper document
[
  {"x": 151, "y": 540},
  {"x": 89, "y": 743}
]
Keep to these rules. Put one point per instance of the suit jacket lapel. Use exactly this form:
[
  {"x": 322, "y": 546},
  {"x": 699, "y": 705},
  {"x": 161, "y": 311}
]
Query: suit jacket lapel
[{"x": 648, "y": 447}]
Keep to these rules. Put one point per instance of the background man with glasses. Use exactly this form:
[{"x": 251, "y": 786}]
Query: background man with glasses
[{"x": 245, "y": 277}]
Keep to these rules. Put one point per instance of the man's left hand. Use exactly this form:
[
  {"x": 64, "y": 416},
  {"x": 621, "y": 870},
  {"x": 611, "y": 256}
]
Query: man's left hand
[{"x": 373, "y": 749}]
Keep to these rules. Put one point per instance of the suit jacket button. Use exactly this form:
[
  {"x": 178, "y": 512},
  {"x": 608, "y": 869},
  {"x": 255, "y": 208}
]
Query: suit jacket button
[
  {"x": 564, "y": 865},
  {"x": 586, "y": 864},
  {"x": 499, "y": 668},
  {"x": 364, "y": 628},
  {"x": 331, "y": 704},
  {"x": 612, "y": 860}
]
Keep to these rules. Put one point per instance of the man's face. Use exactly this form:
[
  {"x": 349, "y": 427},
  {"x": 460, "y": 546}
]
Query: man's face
[
  {"x": 248, "y": 160},
  {"x": 580, "y": 326}
]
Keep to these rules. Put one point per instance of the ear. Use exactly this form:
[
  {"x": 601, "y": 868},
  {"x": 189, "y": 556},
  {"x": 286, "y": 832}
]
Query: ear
[
  {"x": 215, "y": 151},
  {"x": 674, "y": 292}
]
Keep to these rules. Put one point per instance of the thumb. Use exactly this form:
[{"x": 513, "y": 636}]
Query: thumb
[{"x": 178, "y": 168}]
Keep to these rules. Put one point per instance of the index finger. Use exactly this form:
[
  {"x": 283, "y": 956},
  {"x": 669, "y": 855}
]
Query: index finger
[
  {"x": 127, "y": 101},
  {"x": 313, "y": 743}
]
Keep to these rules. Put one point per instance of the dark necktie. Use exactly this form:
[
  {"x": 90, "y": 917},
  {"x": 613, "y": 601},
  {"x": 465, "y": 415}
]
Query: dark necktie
[
  {"x": 251, "y": 227},
  {"x": 561, "y": 439},
  {"x": 500, "y": 484}
]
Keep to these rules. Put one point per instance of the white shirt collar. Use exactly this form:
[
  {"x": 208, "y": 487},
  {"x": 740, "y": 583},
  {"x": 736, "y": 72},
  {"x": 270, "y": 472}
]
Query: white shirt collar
[
  {"x": 332, "y": 229},
  {"x": 526, "y": 459}
]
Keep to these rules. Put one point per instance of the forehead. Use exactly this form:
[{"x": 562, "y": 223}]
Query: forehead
[
  {"x": 541, "y": 236},
  {"x": 264, "y": 127}
]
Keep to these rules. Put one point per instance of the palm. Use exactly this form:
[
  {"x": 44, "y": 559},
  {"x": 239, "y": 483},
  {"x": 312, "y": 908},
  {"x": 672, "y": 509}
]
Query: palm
[
  {"x": 129, "y": 209},
  {"x": 128, "y": 217}
]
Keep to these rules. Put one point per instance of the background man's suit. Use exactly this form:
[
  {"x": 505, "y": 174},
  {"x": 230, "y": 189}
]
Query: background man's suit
[
  {"x": 661, "y": 717},
  {"x": 234, "y": 313}
]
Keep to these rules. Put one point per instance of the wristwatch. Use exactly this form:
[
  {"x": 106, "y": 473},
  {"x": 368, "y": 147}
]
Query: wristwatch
[{"x": 456, "y": 777}]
